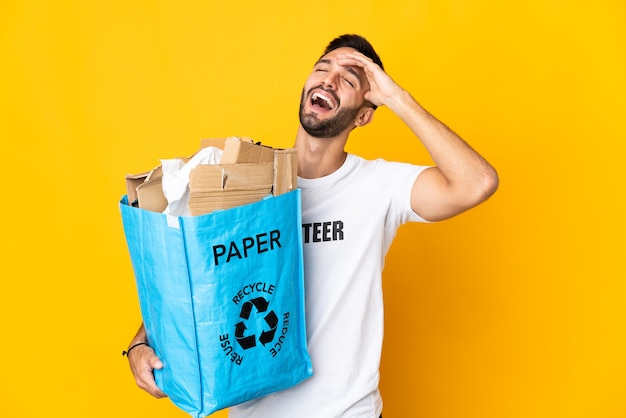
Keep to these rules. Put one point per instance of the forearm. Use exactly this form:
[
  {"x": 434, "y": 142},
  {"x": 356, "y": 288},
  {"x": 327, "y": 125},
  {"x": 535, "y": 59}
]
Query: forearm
[
  {"x": 457, "y": 161},
  {"x": 462, "y": 167},
  {"x": 140, "y": 337}
]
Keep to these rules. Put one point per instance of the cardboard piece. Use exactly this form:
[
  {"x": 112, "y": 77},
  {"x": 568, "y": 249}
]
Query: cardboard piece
[
  {"x": 132, "y": 182},
  {"x": 214, "y": 187},
  {"x": 248, "y": 172}
]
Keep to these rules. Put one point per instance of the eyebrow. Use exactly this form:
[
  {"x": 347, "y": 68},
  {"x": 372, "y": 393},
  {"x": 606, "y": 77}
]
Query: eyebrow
[{"x": 350, "y": 69}]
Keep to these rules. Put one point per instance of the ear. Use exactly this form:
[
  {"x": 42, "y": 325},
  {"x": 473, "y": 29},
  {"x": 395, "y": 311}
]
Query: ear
[{"x": 365, "y": 116}]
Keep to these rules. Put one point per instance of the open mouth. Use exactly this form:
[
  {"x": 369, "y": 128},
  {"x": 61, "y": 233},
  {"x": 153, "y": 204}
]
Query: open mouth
[{"x": 323, "y": 101}]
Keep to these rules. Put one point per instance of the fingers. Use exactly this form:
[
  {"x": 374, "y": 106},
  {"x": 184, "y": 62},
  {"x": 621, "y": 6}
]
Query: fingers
[
  {"x": 353, "y": 60},
  {"x": 382, "y": 88},
  {"x": 143, "y": 361}
]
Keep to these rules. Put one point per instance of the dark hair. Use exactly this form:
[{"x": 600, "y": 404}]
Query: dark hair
[{"x": 355, "y": 42}]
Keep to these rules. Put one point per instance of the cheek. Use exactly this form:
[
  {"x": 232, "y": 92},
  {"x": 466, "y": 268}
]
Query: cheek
[
  {"x": 310, "y": 83},
  {"x": 315, "y": 79},
  {"x": 352, "y": 98}
]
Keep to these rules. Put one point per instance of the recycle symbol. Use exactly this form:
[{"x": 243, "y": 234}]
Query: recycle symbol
[{"x": 270, "y": 318}]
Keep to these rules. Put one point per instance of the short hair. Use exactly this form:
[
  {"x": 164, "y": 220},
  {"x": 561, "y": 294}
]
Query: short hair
[{"x": 355, "y": 42}]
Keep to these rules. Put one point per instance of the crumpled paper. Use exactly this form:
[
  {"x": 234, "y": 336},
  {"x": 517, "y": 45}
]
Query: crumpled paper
[{"x": 175, "y": 181}]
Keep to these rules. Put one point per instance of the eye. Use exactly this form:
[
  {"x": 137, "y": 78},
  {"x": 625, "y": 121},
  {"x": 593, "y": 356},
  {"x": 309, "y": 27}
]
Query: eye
[{"x": 350, "y": 83}]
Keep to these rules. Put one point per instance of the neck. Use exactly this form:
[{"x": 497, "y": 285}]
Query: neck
[{"x": 318, "y": 157}]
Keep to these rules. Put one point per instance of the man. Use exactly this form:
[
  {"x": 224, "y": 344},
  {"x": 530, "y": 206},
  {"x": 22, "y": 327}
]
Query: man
[{"x": 367, "y": 201}]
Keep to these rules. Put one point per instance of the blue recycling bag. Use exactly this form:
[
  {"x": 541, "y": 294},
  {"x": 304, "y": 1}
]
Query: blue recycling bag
[{"x": 222, "y": 300}]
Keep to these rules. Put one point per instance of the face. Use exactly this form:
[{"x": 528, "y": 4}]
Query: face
[{"x": 332, "y": 97}]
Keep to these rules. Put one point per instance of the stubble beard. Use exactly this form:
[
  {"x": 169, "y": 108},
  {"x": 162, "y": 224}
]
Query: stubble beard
[{"x": 327, "y": 128}]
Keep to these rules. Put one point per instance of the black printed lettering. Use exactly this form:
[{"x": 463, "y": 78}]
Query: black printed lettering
[
  {"x": 248, "y": 243},
  {"x": 228, "y": 349},
  {"x": 306, "y": 229},
  {"x": 218, "y": 251},
  {"x": 322, "y": 231},
  {"x": 261, "y": 243},
  {"x": 247, "y": 290},
  {"x": 326, "y": 231},
  {"x": 337, "y": 231},
  {"x": 281, "y": 339},
  {"x": 233, "y": 251},
  {"x": 247, "y": 246},
  {"x": 274, "y": 237},
  {"x": 317, "y": 226},
  {"x": 236, "y": 358}
]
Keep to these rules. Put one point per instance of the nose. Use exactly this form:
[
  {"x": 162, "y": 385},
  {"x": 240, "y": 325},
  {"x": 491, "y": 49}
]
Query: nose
[{"x": 330, "y": 81}]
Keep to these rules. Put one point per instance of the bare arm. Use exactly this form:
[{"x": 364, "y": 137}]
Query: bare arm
[
  {"x": 461, "y": 178},
  {"x": 143, "y": 361}
]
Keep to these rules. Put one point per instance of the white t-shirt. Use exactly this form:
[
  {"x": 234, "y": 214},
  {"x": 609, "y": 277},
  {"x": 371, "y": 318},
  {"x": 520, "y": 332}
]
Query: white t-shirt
[{"x": 349, "y": 218}]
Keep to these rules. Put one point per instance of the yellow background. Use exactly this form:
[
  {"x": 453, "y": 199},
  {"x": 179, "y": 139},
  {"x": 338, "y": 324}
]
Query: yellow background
[{"x": 514, "y": 309}]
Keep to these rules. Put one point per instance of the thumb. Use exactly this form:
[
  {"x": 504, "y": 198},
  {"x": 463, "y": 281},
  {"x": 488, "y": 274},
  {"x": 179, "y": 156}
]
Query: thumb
[{"x": 156, "y": 363}]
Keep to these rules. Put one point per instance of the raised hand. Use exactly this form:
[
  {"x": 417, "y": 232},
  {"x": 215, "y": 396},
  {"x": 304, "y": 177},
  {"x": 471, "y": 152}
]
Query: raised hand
[{"x": 382, "y": 87}]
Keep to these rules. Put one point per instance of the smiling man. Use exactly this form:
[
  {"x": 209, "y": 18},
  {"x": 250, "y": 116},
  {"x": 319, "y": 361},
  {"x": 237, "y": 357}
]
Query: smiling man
[{"x": 351, "y": 210}]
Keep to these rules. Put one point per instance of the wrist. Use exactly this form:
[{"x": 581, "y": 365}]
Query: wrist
[
  {"x": 399, "y": 100},
  {"x": 133, "y": 346}
]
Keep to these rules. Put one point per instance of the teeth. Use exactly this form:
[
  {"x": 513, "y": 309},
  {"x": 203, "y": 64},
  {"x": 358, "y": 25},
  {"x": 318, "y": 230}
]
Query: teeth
[{"x": 326, "y": 99}]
